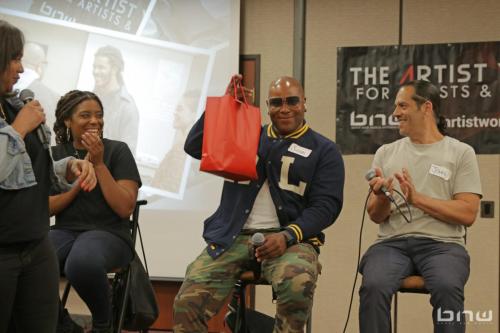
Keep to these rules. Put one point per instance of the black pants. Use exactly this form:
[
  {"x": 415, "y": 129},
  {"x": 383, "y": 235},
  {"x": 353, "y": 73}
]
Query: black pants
[
  {"x": 29, "y": 287},
  {"x": 86, "y": 258}
]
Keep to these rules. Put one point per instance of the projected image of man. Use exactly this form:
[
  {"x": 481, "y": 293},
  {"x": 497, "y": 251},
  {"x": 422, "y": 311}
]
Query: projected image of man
[
  {"x": 298, "y": 193},
  {"x": 35, "y": 64},
  {"x": 122, "y": 116},
  {"x": 439, "y": 178},
  {"x": 169, "y": 174}
]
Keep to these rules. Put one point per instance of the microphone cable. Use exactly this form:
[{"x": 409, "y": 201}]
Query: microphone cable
[
  {"x": 406, "y": 204},
  {"x": 357, "y": 261},
  {"x": 360, "y": 241}
]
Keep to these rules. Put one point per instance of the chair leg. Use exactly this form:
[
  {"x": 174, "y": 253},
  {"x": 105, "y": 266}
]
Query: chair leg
[
  {"x": 309, "y": 324},
  {"x": 122, "y": 305},
  {"x": 243, "y": 309},
  {"x": 65, "y": 295},
  {"x": 240, "y": 322},
  {"x": 395, "y": 317}
]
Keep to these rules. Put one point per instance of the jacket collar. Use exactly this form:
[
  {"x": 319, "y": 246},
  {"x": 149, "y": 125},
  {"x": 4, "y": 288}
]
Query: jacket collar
[{"x": 272, "y": 133}]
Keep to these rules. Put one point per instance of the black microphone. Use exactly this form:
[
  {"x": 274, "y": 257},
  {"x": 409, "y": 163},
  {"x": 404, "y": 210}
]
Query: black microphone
[
  {"x": 370, "y": 174},
  {"x": 26, "y": 95},
  {"x": 257, "y": 240}
]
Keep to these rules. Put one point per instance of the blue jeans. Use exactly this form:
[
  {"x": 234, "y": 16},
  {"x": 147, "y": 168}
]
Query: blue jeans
[
  {"x": 86, "y": 258},
  {"x": 444, "y": 267}
]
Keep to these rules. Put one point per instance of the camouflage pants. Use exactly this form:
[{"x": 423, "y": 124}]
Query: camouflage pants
[{"x": 209, "y": 282}]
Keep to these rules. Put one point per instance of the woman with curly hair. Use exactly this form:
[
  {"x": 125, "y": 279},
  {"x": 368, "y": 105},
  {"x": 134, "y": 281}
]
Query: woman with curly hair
[{"x": 91, "y": 233}]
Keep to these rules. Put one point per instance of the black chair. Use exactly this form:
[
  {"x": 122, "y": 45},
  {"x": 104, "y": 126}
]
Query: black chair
[
  {"x": 237, "y": 316},
  {"x": 121, "y": 279}
]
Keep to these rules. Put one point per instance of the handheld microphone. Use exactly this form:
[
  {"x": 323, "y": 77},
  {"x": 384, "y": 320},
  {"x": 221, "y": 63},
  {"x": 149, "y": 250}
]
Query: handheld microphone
[
  {"x": 370, "y": 174},
  {"x": 257, "y": 239},
  {"x": 26, "y": 96}
]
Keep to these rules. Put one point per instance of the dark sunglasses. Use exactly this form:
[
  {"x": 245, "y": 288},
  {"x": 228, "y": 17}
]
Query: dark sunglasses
[{"x": 277, "y": 102}]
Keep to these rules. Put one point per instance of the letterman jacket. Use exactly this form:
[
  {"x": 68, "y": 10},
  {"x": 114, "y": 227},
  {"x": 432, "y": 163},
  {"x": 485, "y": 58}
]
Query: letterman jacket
[{"x": 305, "y": 172}]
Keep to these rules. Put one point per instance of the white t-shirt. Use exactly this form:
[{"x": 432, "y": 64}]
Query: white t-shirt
[
  {"x": 263, "y": 214},
  {"x": 438, "y": 170}
]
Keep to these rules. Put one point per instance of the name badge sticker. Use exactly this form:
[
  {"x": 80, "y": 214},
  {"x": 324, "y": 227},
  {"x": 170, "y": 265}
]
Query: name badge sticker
[
  {"x": 295, "y": 148},
  {"x": 440, "y": 171}
]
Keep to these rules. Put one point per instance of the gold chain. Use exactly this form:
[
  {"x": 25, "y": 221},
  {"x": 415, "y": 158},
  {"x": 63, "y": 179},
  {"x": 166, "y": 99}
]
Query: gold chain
[{"x": 3, "y": 112}]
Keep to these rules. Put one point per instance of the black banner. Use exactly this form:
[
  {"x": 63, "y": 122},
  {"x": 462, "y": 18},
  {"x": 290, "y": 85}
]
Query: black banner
[{"x": 368, "y": 79}]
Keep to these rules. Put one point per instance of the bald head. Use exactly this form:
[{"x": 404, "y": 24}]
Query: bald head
[
  {"x": 286, "y": 105},
  {"x": 286, "y": 82}
]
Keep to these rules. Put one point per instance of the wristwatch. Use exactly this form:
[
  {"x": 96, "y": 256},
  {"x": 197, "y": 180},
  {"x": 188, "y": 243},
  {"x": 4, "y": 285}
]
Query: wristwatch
[{"x": 290, "y": 240}]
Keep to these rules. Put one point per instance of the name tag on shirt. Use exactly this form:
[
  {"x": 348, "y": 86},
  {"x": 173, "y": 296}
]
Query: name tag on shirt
[
  {"x": 295, "y": 148},
  {"x": 440, "y": 171}
]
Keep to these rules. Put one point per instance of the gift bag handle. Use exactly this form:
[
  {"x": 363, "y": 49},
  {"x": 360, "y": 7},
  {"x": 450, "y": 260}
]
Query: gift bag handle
[{"x": 242, "y": 90}]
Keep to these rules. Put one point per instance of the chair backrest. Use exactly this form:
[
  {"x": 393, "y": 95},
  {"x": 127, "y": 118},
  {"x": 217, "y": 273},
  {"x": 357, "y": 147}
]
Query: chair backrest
[{"x": 134, "y": 219}]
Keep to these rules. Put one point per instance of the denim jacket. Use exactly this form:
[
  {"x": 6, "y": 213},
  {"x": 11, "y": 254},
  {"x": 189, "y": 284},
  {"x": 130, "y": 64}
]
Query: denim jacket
[{"x": 16, "y": 171}]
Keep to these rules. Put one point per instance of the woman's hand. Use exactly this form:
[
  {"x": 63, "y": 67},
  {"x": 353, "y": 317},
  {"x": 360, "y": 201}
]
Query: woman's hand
[
  {"x": 95, "y": 148},
  {"x": 29, "y": 118},
  {"x": 84, "y": 171}
]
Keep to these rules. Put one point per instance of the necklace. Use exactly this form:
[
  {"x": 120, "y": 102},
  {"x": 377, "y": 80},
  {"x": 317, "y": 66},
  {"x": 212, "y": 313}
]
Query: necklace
[{"x": 76, "y": 153}]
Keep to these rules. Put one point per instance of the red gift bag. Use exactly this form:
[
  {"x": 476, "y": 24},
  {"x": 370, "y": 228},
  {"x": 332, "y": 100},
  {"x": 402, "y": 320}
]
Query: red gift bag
[{"x": 231, "y": 136}]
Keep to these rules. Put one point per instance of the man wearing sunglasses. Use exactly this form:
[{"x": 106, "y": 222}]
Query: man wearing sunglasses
[
  {"x": 439, "y": 178},
  {"x": 299, "y": 193}
]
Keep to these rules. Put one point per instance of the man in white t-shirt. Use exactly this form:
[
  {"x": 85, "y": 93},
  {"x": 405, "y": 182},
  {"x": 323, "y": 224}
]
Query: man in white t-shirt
[{"x": 439, "y": 178}]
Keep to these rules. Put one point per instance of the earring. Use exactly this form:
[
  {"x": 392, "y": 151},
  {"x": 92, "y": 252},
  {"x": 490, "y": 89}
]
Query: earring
[{"x": 68, "y": 134}]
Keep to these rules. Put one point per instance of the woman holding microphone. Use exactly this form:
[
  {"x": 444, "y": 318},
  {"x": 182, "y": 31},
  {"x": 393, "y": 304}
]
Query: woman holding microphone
[{"x": 29, "y": 272}]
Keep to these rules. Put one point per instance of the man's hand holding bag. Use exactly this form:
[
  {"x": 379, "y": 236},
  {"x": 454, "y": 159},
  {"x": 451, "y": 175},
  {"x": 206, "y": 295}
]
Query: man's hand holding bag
[{"x": 231, "y": 135}]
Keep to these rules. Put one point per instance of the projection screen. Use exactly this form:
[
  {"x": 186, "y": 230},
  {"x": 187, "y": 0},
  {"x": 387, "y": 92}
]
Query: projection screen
[{"x": 168, "y": 55}]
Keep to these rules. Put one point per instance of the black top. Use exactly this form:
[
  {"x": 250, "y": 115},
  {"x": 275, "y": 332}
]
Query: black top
[
  {"x": 25, "y": 212},
  {"x": 89, "y": 210}
]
